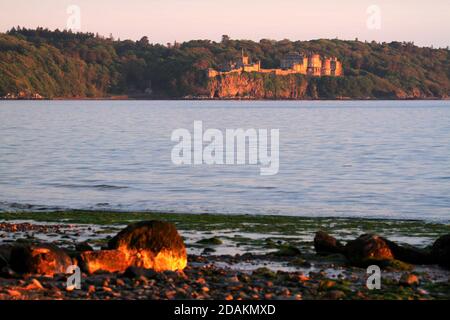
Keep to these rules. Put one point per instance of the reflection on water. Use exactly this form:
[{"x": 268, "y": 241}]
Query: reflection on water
[{"x": 375, "y": 159}]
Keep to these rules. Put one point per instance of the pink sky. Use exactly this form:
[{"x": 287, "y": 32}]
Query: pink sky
[{"x": 424, "y": 22}]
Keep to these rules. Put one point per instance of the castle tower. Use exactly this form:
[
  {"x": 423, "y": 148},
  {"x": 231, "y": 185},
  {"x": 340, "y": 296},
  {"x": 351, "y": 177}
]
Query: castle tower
[
  {"x": 336, "y": 67},
  {"x": 326, "y": 67},
  {"x": 314, "y": 65},
  {"x": 245, "y": 59}
]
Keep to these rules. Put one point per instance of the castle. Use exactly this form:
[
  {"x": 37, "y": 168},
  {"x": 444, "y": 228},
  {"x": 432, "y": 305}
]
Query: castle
[{"x": 293, "y": 63}]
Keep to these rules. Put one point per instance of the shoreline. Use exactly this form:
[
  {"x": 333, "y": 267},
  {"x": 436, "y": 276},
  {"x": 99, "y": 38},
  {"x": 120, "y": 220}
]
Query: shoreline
[
  {"x": 52, "y": 213},
  {"x": 232, "y": 260},
  {"x": 221, "y": 99},
  {"x": 257, "y": 226}
]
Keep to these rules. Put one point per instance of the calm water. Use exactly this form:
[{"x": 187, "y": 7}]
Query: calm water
[{"x": 371, "y": 159}]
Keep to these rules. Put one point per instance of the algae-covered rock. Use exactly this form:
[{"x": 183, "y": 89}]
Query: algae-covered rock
[
  {"x": 288, "y": 250},
  {"x": 299, "y": 262},
  {"x": 396, "y": 265},
  {"x": 210, "y": 241},
  {"x": 324, "y": 243},
  {"x": 264, "y": 272}
]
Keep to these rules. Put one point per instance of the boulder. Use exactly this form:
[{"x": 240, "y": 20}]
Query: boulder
[
  {"x": 368, "y": 249},
  {"x": 440, "y": 251},
  {"x": 214, "y": 241},
  {"x": 152, "y": 245},
  {"x": 41, "y": 259},
  {"x": 324, "y": 243},
  {"x": 5, "y": 254},
  {"x": 410, "y": 254},
  {"x": 83, "y": 246},
  {"x": 105, "y": 260},
  {"x": 288, "y": 250},
  {"x": 136, "y": 272}
]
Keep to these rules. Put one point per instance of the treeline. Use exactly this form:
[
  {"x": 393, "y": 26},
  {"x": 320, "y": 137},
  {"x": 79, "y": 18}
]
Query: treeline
[{"x": 66, "y": 64}]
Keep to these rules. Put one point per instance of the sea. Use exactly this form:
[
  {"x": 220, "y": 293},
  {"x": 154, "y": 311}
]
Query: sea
[{"x": 370, "y": 159}]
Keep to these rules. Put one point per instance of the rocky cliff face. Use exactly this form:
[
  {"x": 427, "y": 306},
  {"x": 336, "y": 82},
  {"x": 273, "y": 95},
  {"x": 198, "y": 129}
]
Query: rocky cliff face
[
  {"x": 258, "y": 86},
  {"x": 270, "y": 86}
]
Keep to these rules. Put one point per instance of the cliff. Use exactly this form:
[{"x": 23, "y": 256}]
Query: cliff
[
  {"x": 258, "y": 86},
  {"x": 270, "y": 86}
]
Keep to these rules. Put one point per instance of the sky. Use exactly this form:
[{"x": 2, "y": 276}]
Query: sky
[{"x": 425, "y": 23}]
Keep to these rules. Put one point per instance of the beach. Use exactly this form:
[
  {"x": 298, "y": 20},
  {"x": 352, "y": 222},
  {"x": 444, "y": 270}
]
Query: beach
[{"x": 229, "y": 258}]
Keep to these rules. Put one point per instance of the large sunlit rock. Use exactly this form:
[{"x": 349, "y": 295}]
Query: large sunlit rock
[
  {"x": 152, "y": 245},
  {"x": 104, "y": 260}
]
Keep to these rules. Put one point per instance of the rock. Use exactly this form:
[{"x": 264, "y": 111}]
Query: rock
[
  {"x": 42, "y": 259},
  {"x": 334, "y": 295},
  {"x": 264, "y": 272},
  {"x": 34, "y": 285},
  {"x": 152, "y": 245},
  {"x": 5, "y": 254},
  {"x": 83, "y": 246},
  {"x": 396, "y": 265},
  {"x": 269, "y": 243},
  {"x": 136, "y": 272},
  {"x": 288, "y": 251},
  {"x": 208, "y": 251},
  {"x": 120, "y": 283},
  {"x": 210, "y": 241},
  {"x": 409, "y": 254},
  {"x": 326, "y": 284},
  {"x": 440, "y": 251},
  {"x": 299, "y": 262},
  {"x": 7, "y": 272},
  {"x": 105, "y": 260},
  {"x": 409, "y": 279},
  {"x": 368, "y": 249},
  {"x": 324, "y": 243}
]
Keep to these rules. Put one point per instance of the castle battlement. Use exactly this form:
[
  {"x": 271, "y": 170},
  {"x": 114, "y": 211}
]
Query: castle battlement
[{"x": 312, "y": 65}]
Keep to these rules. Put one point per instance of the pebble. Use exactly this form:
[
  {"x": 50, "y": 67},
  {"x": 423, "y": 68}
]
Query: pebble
[{"x": 409, "y": 279}]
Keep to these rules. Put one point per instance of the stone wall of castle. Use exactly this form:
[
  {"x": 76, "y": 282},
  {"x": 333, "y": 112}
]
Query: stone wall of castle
[{"x": 313, "y": 65}]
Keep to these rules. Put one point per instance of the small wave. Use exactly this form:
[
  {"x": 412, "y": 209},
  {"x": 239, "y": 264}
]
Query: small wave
[
  {"x": 87, "y": 186},
  {"x": 107, "y": 186},
  {"x": 264, "y": 188},
  {"x": 14, "y": 206}
]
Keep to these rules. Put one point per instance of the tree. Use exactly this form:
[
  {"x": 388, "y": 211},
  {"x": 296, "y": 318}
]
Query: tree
[
  {"x": 144, "y": 41},
  {"x": 225, "y": 39}
]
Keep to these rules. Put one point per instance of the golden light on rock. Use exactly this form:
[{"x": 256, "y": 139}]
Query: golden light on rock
[
  {"x": 42, "y": 259},
  {"x": 152, "y": 245},
  {"x": 165, "y": 259},
  {"x": 104, "y": 260},
  {"x": 149, "y": 244}
]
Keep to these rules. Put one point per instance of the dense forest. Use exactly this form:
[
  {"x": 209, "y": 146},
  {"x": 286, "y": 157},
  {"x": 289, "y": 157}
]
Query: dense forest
[{"x": 63, "y": 64}]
